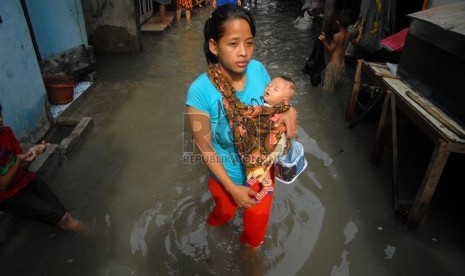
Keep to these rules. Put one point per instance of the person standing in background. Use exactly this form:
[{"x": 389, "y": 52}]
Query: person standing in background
[
  {"x": 218, "y": 3},
  {"x": 336, "y": 48},
  {"x": 186, "y": 4},
  {"x": 162, "y": 9}
]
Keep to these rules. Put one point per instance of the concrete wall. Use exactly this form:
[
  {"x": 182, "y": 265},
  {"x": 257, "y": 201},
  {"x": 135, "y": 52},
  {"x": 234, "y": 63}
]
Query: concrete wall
[
  {"x": 22, "y": 91},
  {"x": 112, "y": 26},
  {"x": 58, "y": 25}
]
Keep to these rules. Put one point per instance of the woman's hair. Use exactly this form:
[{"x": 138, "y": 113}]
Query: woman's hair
[{"x": 214, "y": 26}]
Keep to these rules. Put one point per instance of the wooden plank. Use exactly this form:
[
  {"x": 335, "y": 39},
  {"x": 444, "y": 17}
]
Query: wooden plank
[
  {"x": 429, "y": 184},
  {"x": 437, "y": 114},
  {"x": 369, "y": 109},
  {"x": 380, "y": 138},
  {"x": 383, "y": 72},
  {"x": 395, "y": 163},
  {"x": 401, "y": 89},
  {"x": 153, "y": 24},
  {"x": 377, "y": 64}
]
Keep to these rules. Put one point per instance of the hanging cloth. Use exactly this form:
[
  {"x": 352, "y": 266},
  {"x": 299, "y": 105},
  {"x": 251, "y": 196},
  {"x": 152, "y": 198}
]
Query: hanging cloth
[
  {"x": 379, "y": 20},
  {"x": 315, "y": 63}
]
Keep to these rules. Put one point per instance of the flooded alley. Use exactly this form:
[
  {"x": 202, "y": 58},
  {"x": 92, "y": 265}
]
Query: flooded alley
[{"x": 128, "y": 178}]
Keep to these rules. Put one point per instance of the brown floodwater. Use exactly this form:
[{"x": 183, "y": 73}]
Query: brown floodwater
[{"x": 129, "y": 178}]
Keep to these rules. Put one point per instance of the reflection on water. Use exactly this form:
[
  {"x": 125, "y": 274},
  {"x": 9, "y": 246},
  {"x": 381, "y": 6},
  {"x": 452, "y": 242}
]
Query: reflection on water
[
  {"x": 128, "y": 179},
  {"x": 170, "y": 237},
  {"x": 129, "y": 175}
]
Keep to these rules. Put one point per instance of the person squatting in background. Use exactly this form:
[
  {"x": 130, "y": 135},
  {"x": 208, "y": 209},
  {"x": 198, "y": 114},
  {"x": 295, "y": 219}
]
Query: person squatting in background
[{"x": 24, "y": 194}]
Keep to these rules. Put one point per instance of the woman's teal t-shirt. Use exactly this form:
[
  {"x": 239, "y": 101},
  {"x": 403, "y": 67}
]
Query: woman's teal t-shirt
[{"x": 203, "y": 96}]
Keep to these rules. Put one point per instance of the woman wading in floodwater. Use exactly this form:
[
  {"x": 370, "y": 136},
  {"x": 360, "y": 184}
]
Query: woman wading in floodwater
[{"x": 229, "y": 45}]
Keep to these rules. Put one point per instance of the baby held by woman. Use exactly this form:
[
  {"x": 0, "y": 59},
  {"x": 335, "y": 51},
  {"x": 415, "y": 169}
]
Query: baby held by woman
[{"x": 279, "y": 90}]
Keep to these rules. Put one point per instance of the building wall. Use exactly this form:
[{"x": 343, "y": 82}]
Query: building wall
[
  {"x": 112, "y": 26},
  {"x": 22, "y": 91},
  {"x": 58, "y": 25}
]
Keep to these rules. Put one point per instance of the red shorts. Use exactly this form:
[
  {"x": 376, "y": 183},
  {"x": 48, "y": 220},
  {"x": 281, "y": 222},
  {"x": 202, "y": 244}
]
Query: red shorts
[{"x": 255, "y": 218}]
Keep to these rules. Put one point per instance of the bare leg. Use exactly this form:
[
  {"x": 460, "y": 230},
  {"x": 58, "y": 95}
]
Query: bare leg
[
  {"x": 178, "y": 13},
  {"x": 188, "y": 16},
  {"x": 163, "y": 19},
  {"x": 162, "y": 13}
]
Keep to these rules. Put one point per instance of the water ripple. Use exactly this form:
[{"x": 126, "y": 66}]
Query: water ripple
[{"x": 181, "y": 243}]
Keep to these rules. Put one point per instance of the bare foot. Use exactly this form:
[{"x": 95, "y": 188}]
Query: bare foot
[{"x": 74, "y": 225}]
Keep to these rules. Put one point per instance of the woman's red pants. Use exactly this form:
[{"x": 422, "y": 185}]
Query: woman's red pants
[{"x": 255, "y": 218}]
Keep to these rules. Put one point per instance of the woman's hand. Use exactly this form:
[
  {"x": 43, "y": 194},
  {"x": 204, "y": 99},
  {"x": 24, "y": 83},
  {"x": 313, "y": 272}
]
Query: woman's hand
[
  {"x": 201, "y": 131},
  {"x": 40, "y": 148},
  {"x": 289, "y": 119},
  {"x": 243, "y": 196},
  {"x": 27, "y": 157},
  {"x": 322, "y": 36}
]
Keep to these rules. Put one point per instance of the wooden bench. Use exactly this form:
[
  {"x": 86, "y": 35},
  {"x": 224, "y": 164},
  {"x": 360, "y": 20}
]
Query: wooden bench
[{"x": 447, "y": 135}]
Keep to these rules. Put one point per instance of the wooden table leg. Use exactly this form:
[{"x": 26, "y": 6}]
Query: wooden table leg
[
  {"x": 369, "y": 109},
  {"x": 395, "y": 163},
  {"x": 355, "y": 90},
  {"x": 428, "y": 184},
  {"x": 380, "y": 138}
]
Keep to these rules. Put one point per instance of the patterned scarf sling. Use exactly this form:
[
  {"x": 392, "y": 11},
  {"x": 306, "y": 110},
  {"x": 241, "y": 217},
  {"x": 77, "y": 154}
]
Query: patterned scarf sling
[{"x": 255, "y": 134}]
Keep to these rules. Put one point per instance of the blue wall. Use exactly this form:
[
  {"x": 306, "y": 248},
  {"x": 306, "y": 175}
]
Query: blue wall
[
  {"x": 58, "y": 25},
  {"x": 22, "y": 91}
]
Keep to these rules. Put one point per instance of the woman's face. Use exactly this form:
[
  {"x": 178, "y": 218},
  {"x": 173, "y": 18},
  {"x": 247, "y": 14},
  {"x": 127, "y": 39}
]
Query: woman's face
[{"x": 235, "y": 48}]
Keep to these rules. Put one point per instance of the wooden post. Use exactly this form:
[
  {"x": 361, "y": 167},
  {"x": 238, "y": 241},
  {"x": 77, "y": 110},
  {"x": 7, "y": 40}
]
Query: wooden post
[
  {"x": 425, "y": 5},
  {"x": 428, "y": 184},
  {"x": 395, "y": 163},
  {"x": 380, "y": 138}
]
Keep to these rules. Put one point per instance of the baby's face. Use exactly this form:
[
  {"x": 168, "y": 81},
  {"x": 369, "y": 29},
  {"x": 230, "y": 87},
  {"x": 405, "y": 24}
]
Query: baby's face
[{"x": 277, "y": 91}]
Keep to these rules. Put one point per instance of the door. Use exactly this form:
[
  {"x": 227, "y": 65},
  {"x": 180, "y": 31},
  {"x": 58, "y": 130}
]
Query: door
[{"x": 146, "y": 10}]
